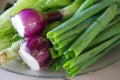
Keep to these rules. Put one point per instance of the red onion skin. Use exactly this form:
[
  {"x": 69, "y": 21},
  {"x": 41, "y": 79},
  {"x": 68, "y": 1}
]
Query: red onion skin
[
  {"x": 38, "y": 47},
  {"x": 32, "y": 21},
  {"x": 52, "y": 16},
  {"x": 44, "y": 18}
]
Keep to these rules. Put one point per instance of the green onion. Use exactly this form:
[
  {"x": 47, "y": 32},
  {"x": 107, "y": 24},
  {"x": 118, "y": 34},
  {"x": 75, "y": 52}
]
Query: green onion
[
  {"x": 75, "y": 32},
  {"x": 85, "y": 5},
  {"x": 65, "y": 41},
  {"x": 71, "y": 9},
  {"x": 50, "y": 27},
  {"x": 58, "y": 52},
  {"x": 115, "y": 32},
  {"x": 106, "y": 34},
  {"x": 82, "y": 42},
  {"x": 9, "y": 53},
  {"x": 77, "y": 64},
  {"x": 56, "y": 64},
  {"x": 75, "y": 20},
  {"x": 54, "y": 53},
  {"x": 50, "y": 4}
]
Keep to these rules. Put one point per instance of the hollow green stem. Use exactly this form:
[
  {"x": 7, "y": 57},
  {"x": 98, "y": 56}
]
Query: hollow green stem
[
  {"x": 83, "y": 41},
  {"x": 77, "y": 69},
  {"x": 77, "y": 19}
]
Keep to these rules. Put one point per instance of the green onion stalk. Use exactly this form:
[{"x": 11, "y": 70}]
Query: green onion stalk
[
  {"x": 65, "y": 41},
  {"x": 83, "y": 6},
  {"x": 91, "y": 32},
  {"x": 53, "y": 4},
  {"x": 74, "y": 66},
  {"x": 113, "y": 30},
  {"x": 68, "y": 12},
  {"x": 9, "y": 53},
  {"x": 105, "y": 35},
  {"x": 76, "y": 19}
]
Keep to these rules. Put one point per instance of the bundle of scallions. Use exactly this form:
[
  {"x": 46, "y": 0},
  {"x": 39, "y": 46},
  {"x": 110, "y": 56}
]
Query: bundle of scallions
[{"x": 86, "y": 37}]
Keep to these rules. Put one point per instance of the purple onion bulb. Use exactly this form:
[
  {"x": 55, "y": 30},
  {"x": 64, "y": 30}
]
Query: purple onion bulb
[
  {"x": 27, "y": 22},
  {"x": 35, "y": 52}
]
